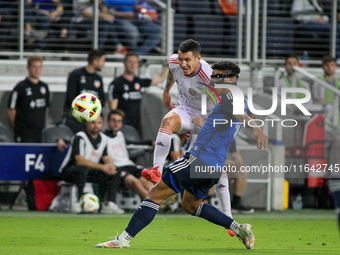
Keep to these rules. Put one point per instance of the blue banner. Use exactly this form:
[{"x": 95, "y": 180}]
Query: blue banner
[{"x": 21, "y": 162}]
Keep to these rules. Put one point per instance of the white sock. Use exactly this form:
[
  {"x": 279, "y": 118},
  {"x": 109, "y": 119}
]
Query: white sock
[
  {"x": 222, "y": 192},
  {"x": 162, "y": 148},
  {"x": 125, "y": 236},
  {"x": 235, "y": 227}
]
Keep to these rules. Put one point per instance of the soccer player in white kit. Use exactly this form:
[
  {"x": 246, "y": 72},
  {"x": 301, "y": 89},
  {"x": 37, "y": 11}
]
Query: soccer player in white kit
[{"x": 192, "y": 74}]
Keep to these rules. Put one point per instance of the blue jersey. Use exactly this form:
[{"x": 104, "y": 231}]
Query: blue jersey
[{"x": 218, "y": 133}]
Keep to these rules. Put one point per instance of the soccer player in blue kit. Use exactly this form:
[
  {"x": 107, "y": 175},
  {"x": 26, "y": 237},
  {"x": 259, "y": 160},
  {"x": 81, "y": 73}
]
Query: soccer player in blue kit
[{"x": 209, "y": 150}]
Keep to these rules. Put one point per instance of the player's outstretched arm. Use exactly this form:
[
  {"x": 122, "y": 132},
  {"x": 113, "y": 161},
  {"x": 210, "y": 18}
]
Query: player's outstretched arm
[
  {"x": 170, "y": 80},
  {"x": 258, "y": 135}
]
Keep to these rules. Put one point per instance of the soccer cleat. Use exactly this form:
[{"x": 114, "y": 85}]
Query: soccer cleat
[
  {"x": 246, "y": 236},
  {"x": 152, "y": 175},
  {"x": 111, "y": 207},
  {"x": 115, "y": 243},
  {"x": 230, "y": 232}
]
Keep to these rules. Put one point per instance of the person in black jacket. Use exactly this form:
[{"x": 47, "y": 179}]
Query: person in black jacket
[
  {"x": 28, "y": 103},
  {"x": 84, "y": 80}
]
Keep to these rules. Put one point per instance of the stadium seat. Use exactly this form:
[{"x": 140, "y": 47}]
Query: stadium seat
[
  {"x": 180, "y": 29},
  {"x": 280, "y": 36},
  {"x": 194, "y": 7},
  {"x": 273, "y": 8},
  {"x": 208, "y": 30},
  {"x": 131, "y": 135},
  {"x": 52, "y": 133},
  {"x": 216, "y": 7},
  {"x": 5, "y": 135},
  {"x": 230, "y": 32}
]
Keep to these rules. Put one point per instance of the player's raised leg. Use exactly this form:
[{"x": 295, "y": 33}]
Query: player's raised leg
[
  {"x": 194, "y": 205},
  {"x": 171, "y": 123},
  {"x": 142, "y": 217}
]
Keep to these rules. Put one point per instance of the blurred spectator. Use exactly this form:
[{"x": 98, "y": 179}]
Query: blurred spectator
[
  {"x": 28, "y": 103},
  {"x": 44, "y": 13},
  {"x": 9, "y": 13},
  {"x": 84, "y": 80},
  {"x": 322, "y": 94},
  {"x": 125, "y": 91},
  {"x": 88, "y": 161},
  {"x": 134, "y": 23},
  {"x": 130, "y": 173},
  {"x": 84, "y": 22},
  {"x": 286, "y": 81},
  {"x": 312, "y": 19}
]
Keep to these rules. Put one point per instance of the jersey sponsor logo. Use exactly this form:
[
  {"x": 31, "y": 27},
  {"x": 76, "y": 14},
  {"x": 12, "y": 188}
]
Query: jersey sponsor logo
[
  {"x": 137, "y": 86},
  {"x": 43, "y": 90},
  {"x": 83, "y": 79},
  {"x": 29, "y": 92},
  {"x": 38, "y": 103},
  {"x": 96, "y": 84},
  {"x": 133, "y": 95}
]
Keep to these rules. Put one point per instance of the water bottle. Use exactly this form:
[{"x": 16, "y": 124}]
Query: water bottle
[
  {"x": 305, "y": 58},
  {"x": 297, "y": 203}
]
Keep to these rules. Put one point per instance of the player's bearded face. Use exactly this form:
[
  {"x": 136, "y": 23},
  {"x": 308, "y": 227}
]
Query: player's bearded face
[
  {"x": 188, "y": 62},
  {"x": 99, "y": 64},
  {"x": 95, "y": 126}
]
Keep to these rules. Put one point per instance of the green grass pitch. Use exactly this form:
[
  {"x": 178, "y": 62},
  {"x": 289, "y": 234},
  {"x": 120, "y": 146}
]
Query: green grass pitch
[{"x": 289, "y": 232}]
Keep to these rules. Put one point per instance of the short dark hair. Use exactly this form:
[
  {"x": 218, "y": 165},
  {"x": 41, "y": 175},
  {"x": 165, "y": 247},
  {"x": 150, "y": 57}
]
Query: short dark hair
[
  {"x": 117, "y": 111},
  {"x": 95, "y": 54},
  {"x": 328, "y": 59},
  {"x": 227, "y": 66},
  {"x": 131, "y": 53},
  {"x": 190, "y": 45},
  {"x": 291, "y": 56}
]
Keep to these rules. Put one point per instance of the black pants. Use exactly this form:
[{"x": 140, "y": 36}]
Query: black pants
[
  {"x": 28, "y": 136},
  {"x": 80, "y": 175}
]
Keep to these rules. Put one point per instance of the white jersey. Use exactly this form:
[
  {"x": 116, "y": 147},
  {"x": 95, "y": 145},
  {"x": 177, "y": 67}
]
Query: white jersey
[
  {"x": 116, "y": 148},
  {"x": 86, "y": 149},
  {"x": 190, "y": 89}
]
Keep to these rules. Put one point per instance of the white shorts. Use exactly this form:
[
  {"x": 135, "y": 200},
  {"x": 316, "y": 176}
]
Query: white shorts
[{"x": 186, "y": 115}]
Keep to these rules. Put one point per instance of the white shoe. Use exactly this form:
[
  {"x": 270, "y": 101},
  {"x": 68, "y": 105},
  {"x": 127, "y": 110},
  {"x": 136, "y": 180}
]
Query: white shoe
[
  {"x": 246, "y": 236},
  {"x": 111, "y": 207},
  {"x": 77, "y": 208},
  {"x": 115, "y": 243}
]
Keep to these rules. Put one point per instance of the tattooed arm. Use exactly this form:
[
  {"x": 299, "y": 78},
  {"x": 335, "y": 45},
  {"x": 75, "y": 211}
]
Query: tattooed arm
[{"x": 170, "y": 80}]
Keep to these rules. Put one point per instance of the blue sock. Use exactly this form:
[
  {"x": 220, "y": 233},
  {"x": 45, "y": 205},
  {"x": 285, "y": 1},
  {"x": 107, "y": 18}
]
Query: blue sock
[
  {"x": 142, "y": 217},
  {"x": 212, "y": 214}
]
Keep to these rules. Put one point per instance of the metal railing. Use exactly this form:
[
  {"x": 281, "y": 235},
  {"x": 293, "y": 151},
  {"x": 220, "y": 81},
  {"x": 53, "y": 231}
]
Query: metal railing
[{"x": 319, "y": 82}]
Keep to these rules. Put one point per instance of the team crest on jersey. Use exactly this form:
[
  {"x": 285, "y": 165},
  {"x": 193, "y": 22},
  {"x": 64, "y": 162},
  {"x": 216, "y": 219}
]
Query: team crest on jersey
[
  {"x": 96, "y": 84},
  {"x": 126, "y": 87},
  {"x": 137, "y": 86},
  {"x": 83, "y": 79},
  {"x": 43, "y": 90},
  {"x": 29, "y": 92},
  {"x": 192, "y": 92}
]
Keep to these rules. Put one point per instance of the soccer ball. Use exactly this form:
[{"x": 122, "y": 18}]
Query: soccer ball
[
  {"x": 86, "y": 108},
  {"x": 89, "y": 203}
]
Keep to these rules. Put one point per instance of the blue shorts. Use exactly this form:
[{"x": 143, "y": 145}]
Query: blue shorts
[{"x": 177, "y": 177}]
